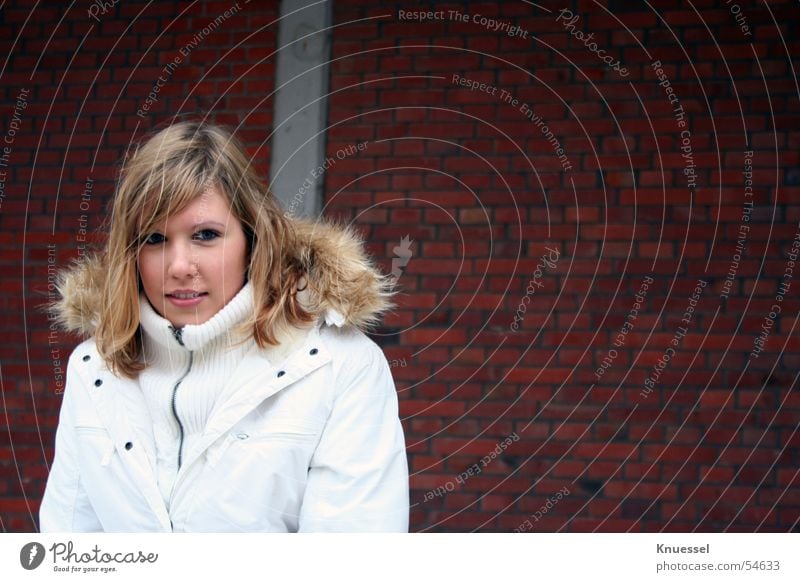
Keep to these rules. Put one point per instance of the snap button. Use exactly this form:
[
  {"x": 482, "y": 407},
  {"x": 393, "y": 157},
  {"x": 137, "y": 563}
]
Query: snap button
[
  {"x": 98, "y": 382},
  {"x": 281, "y": 373},
  {"x": 242, "y": 436},
  {"x": 128, "y": 446},
  {"x": 86, "y": 358},
  {"x": 314, "y": 351}
]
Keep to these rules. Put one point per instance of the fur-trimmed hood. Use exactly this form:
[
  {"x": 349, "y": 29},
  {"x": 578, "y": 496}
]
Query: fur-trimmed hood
[{"x": 344, "y": 287}]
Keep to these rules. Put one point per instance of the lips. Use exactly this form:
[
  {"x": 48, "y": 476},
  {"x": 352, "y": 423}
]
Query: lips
[
  {"x": 185, "y": 297},
  {"x": 186, "y": 294}
]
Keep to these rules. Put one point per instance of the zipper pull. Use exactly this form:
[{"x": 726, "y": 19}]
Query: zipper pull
[{"x": 178, "y": 333}]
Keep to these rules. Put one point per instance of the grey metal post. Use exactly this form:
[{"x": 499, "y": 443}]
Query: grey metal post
[{"x": 298, "y": 144}]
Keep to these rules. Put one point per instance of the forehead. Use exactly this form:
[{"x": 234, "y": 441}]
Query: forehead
[{"x": 211, "y": 204}]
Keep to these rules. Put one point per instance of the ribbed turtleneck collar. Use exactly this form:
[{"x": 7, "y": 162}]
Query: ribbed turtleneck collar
[{"x": 195, "y": 337}]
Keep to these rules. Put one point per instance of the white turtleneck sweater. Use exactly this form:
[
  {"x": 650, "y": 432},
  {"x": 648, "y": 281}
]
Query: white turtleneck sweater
[{"x": 182, "y": 380}]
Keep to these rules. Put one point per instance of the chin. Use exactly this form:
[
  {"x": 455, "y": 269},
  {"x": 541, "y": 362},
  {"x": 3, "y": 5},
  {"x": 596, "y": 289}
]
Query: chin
[{"x": 181, "y": 320}]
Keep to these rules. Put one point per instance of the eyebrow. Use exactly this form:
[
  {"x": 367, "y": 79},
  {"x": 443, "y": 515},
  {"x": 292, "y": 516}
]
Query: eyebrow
[{"x": 214, "y": 223}]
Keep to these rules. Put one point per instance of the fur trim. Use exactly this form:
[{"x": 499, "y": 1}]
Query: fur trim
[
  {"x": 344, "y": 287},
  {"x": 341, "y": 278},
  {"x": 80, "y": 289}
]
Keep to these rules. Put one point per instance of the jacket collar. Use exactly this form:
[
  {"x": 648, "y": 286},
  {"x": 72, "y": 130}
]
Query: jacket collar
[
  {"x": 257, "y": 378},
  {"x": 162, "y": 334}
]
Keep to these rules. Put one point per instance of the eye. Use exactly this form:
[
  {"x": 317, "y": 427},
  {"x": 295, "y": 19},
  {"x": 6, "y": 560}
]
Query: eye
[
  {"x": 206, "y": 234},
  {"x": 154, "y": 239}
]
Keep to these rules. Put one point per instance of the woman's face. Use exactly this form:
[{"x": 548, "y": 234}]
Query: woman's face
[{"x": 194, "y": 262}]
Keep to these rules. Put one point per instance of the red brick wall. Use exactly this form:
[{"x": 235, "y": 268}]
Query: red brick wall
[
  {"x": 85, "y": 88},
  {"x": 498, "y": 344},
  {"x": 473, "y": 180}
]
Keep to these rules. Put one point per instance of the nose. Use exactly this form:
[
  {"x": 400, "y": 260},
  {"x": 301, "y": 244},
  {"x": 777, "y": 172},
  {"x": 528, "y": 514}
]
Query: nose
[{"x": 181, "y": 262}]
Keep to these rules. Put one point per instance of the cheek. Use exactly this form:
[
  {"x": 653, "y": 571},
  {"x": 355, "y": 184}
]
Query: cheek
[
  {"x": 235, "y": 260},
  {"x": 149, "y": 270}
]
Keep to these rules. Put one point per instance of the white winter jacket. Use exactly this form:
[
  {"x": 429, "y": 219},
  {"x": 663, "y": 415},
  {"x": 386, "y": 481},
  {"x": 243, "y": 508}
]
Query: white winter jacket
[{"x": 312, "y": 443}]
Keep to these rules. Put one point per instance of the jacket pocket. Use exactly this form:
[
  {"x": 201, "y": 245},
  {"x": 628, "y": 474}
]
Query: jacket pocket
[
  {"x": 274, "y": 435},
  {"x": 95, "y": 445},
  {"x": 255, "y": 476},
  {"x": 280, "y": 429}
]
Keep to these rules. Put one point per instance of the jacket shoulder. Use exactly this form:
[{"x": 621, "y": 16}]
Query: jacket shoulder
[
  {"x": 85, "y": 360},
  {"x": 353, "y": 352},
  {"x": 348, "y": 342},
  {"x": 87, "y": 347}
]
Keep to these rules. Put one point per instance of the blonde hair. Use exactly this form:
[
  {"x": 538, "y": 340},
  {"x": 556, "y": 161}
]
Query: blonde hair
[{"x": 163, "y": 175}]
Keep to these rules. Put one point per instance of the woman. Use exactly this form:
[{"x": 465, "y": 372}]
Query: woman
[{"x": 226, "y": 385}]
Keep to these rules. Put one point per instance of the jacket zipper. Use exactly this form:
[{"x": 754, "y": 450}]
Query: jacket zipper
[{"x": 178, "y": 336}]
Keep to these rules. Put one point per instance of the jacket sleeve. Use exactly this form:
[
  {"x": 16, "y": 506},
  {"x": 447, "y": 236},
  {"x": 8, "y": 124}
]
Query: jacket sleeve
[
  {"x": 358, "y": 475},
  {"x": 65, "y": 506}
]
